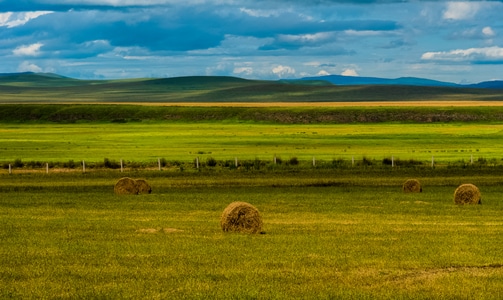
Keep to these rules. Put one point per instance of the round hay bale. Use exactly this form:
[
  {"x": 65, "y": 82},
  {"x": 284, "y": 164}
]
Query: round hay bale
[
  {"x": 412, "y": 186},
  {"x": 241, "y": 217},
  {"x": 143, "y": 186},
  {"x": 467, "y": 194},
  {"x": 126, "y": 186}
]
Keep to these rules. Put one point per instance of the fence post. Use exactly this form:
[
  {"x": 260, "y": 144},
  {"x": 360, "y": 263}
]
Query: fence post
[
  {"x": 46, "y": 168},
  {"x": 236, "y": 162},
  {"x": 353, "y": 161},
  {"x": 471, "y": 159},
  {"x": 159, "y": 163},
  {"x": 314, "y": 161},
  {"x": 10, "y": 169},
  {"x": 274, "y": 159},
  {"x": 197, "y": 162},
  {"x": 122, "y": 166},
  {"x": 83, "y": 166},
  {"x": 392, "y": 161},
  {"x": 432, "y": 162}
]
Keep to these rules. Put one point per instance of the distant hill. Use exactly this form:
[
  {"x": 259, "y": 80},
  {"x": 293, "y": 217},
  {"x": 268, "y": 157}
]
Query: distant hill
[
  {"x": 496, "y": 84},
  {"x": 29, "y": 79},
  {"x": 52, "y": 88},
  {"x": 411, "y": 81},
  {"x": 357, "y": 80}
]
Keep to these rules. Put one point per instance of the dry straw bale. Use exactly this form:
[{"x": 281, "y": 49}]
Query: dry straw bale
[
  {"x": 467, "y": 194},
  {"x": 412, "y": 186},
  {"x": 143, "y": 186},
  {"x": 241, "y": 217},
  {"x": 126, "y": 186}
]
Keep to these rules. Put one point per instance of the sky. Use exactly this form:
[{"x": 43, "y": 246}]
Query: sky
[{"x": 454, "y": 41}]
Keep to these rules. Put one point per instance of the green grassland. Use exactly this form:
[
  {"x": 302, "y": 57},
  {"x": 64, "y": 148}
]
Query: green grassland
[
  {"x": 48, "y": 88},
  {"x": 332, "y": 231},
  {"x": 68, "y": 236},
  {"x": 144, "y": 142}
]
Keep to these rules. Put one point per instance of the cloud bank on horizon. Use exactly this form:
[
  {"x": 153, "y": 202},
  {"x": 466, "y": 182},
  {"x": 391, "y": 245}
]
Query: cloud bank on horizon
[{"x": 457, "y": 41}]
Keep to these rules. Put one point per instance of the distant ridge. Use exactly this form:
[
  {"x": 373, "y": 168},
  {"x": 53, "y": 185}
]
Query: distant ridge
[
  {"x": 13, "y": 74},
  {"x": 357, "y": 80},
  {"x": 31, "y": 74},
  {"x": 411, "y": 81},
  {"x": 51, "y": 79},
  {"x": 30, "y": 79},
  {"x": 495, "y": 84},
  {"x": 52, "y": 88}
]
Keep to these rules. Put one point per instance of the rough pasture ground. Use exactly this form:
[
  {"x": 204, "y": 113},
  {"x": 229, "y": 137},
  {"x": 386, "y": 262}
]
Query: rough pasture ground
[{"x": 68, "y": 236}]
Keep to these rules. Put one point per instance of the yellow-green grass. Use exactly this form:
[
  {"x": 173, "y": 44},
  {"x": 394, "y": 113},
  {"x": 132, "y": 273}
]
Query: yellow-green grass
[
  {"x": 146, "y": 142},
  {"x": 69, "y": 236}
]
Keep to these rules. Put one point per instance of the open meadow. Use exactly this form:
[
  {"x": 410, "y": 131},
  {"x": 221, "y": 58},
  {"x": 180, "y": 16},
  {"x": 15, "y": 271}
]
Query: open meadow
[
  {"x": 327, "y": 180},
  {"x": 145, "y": 142},
  {"x": 332, "y": 230},
  {"x": 328, "y": 234}
]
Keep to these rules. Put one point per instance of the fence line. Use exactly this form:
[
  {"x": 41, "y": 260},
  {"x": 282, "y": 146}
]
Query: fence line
[{"x": 392, "y": 163}]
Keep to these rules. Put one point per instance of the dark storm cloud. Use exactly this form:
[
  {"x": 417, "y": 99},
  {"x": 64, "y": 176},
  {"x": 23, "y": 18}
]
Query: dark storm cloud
[
  {"x": 65, "y": 5},
  {"x": 175, "y": 29}
]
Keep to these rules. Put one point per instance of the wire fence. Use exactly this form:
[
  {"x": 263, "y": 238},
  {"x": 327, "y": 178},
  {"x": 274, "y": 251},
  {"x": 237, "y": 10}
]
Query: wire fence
[{"x": 247, "y": 164}]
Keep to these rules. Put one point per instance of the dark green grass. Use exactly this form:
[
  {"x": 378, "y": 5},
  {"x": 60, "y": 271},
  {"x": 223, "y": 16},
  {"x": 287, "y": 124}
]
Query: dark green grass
[
  {"x": 68, "y": 236},
  {"x": 60, "y": 113}
]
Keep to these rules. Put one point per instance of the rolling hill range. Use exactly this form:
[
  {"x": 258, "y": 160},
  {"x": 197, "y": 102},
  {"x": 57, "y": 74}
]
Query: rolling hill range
[
  {"x": 412, "y": 81},
  {"x": 52, "y": 88}
]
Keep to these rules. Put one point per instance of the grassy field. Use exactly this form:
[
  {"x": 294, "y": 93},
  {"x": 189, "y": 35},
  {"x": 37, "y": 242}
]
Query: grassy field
[
  {"x": 68, "y": 236},
  {"x": 146, "y": 142},
  {"x": 331, "y": 231}
]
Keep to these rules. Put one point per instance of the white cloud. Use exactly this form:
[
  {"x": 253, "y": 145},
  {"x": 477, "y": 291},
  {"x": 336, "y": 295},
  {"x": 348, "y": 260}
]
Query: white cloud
[
  {"x": 259, "y": 12},
  {"x": 323, "y": 73},
  {"x": 350, "y": 72},
  {"x": 281, "y": 71},
  {"x": 461, "y": 10},
  {"x": 306, "y": 37},
  {"x": 29, "y": 67},
  {"x": 30, "y": 50},
  {"x": 488, "y": 31},
  {"x": 362, "y": 33},
  {"x": 4, "y": 18},
  {"x": 243, "y": 70},
  {"x": 475, "y": 33},
  {"x": 10, "y": 19},
  {"x": 473, "y": 54}
]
